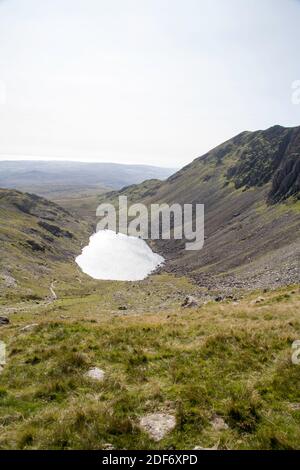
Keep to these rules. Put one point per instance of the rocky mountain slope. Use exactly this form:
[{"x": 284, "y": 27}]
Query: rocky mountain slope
[{"x": 250, "y": 187}]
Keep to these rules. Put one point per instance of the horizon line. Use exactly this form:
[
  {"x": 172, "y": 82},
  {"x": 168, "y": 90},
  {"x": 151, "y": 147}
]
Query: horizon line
[{"x": 32, "y": 158}]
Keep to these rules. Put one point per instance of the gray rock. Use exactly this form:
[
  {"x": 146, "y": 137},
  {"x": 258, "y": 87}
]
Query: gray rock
[
  {"x": 206, "y": 448},
  {"x": 96, "y": 374},
  {"x": 108, "y": 446},
  {"x": 9, "y": 281},
  {"x": 190, "y": 302},
  {"x": 218, "y": 424},
  {"x": 4, "y": 321},
  {"x": 157, "y": 425}
]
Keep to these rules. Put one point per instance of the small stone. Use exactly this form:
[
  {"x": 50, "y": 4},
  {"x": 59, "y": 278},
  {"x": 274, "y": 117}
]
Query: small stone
[
  {"x": 157, "y": 425},
  {"x": 9, "y": 281},
  {"x": 219, "y": 424},
  {"x": 108, "y": 446},
  {"x": 95, "y": 374},
  {"x": 4, "y": 321},
  {"x": 295, "y": 406},
  {"x": 189, "y": 302},
  {"x": 258, "y": 300},
  {"x": 206, "y": 448},
  {"x": 123, "y": 307}
]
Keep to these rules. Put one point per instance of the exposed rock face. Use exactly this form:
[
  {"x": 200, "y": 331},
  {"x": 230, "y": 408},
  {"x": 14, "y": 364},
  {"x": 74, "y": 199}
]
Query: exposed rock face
[
  {"x": 271, "y": 156},
  {"x": 35, "y": 246},
  {"x": 157, "y": 425},
  {"x": 54, "y": 230},
  {"x": 286, "y": 180}
]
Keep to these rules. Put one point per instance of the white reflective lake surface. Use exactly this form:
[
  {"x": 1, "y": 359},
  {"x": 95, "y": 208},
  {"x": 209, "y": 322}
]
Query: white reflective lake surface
[{"x": 118, "y": 257}]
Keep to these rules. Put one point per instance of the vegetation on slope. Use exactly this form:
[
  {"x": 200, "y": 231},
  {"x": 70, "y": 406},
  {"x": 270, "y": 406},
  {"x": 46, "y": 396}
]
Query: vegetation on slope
[
  {"x": 228, "y": 359},
  {"x": 250, "y": 188},
  {"x": 39, "y": 241}
]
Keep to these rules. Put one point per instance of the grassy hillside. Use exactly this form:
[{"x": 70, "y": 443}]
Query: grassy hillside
[
  {"x": 39, "y": 241},
  {"x": 227, "y": 363},
  {"x": 82, "y": 203}
]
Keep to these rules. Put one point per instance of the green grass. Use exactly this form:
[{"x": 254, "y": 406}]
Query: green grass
[{"x": 225, "y": 359}]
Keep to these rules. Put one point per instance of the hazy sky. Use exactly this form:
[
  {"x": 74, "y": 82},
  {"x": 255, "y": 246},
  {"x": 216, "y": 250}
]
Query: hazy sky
[{"x": 148, "y": 81}]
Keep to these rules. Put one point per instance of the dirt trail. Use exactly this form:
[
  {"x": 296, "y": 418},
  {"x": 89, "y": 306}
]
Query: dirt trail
[
  {"x": 53, "y": 293},
  {"x": 18, "y": 308}
]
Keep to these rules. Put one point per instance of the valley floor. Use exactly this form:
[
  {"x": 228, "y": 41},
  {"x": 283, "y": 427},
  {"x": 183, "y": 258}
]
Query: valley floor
[{"x": 222, "y": 369}]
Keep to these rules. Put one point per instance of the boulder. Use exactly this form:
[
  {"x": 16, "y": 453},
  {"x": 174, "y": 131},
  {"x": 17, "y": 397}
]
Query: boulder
[
  {"x": 218, "y": 423},
  {"x": 190, "y": 302},
  {"x": 96, "y": 374},
  {"x": 4, "y": 321},
  {"x": 108, "y": 446},
  {"x": 157, "y": 425}
]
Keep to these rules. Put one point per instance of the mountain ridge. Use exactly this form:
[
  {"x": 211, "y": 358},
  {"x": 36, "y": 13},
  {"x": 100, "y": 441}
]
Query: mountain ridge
[
  {"x": 250, "y": 187},
  {"x": 22, "y": 175}
]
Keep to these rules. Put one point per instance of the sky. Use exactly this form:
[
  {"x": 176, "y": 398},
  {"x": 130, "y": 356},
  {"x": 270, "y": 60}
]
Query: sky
[{"x": 143, "y": 81}]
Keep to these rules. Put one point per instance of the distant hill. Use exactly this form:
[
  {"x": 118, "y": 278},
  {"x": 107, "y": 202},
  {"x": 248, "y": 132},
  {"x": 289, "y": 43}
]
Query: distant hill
[
  {"x": 38, "y": 243},
  {"x": 48, "y": 178},
  {"x": 250, "y": 186}
]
